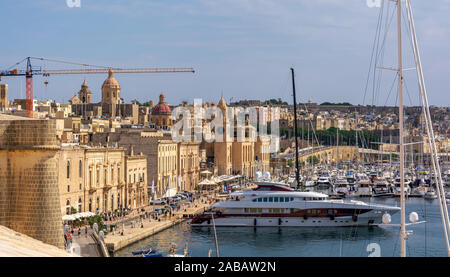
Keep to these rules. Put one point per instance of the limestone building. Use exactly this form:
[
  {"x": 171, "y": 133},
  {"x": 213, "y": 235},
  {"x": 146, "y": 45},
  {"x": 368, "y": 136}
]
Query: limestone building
[
  {"x": 161, "y": 116},
  {"x": 91, "y": 178},
  {"x": 188, "y": 165},
  {"x": 4, "y": 104},
  {"x": 110, "y": 106},
  {"x": 161, "y": 152},
  {"x": 136, "y": 191}
]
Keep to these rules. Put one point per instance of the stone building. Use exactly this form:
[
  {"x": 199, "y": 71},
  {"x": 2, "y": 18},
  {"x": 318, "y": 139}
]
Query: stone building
[
  {"x": 136, "y": 191},
  {"x": 188, "y": 165},
  {"x": 242, "y": 157},
  {"x": 91, "y": 178},
  {"x": 85, "y": 94},
  {"x": 4, "y": 102},
  {"x": 161, "y": 152},
  {"x": 110, "y": 106},
  {"x": 29, "y": 193},
  {"x": 100, "y": 179},
  {"x": 161, "y": 116}
]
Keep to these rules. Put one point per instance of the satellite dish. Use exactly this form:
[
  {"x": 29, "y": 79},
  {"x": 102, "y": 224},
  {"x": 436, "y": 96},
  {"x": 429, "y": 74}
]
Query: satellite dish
[
  {"x": 95, "y": 227},
  {"x": 413, "y": 217},
  {"x": 386, "y": 218}
]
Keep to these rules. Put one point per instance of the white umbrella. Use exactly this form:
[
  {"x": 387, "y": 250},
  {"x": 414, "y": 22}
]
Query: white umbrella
[
  {"x": 77, "y": 216},
  {"x": 68, "y": 217}
]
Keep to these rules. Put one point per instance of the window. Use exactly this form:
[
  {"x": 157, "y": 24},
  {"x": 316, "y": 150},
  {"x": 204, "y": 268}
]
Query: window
[
  {"x": 286, "y": 199},
  {"x": 68, "y": 169},
  {"x": 270, "y": 199},
  {"x": 281, "y": 199},
  {"x": 80, "y": 186},
  {"x": 68, "y": 188},
  {"x": 275, "y": 199},
  {"x": 265, "y": 199},
  {"x": 80, "y": 169},
  {"x": 260, "y": 199}
]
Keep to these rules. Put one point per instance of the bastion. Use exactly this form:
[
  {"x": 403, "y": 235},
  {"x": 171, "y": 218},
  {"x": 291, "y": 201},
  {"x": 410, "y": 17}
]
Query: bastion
[{"x": 29, "y": 193}]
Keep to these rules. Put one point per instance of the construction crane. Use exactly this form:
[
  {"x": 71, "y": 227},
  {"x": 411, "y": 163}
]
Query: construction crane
[{"x": 30, "y": 71}]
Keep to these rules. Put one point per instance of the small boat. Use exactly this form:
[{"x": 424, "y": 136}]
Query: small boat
[
  {"x": 153, "y": 255},
  {"x": 430, "y": 195},
  {"x": 142, "y": 252}
]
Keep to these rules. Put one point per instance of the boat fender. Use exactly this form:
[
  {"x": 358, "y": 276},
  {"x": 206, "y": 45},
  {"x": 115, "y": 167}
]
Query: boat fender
[
  {"x": 209, "y": 221},
  {"x": 331, "y": 217},
  {"x": 254, "y": 222},
  {"x": 305, "y": 217},
  {"x": 279, "y": 221},
  {"x": 355, "y": 218}
]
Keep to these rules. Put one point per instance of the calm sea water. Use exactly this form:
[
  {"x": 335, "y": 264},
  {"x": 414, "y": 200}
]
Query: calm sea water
[{"x": 427, "y": 239}]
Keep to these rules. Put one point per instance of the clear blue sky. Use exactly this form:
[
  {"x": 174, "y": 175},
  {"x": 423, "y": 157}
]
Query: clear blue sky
[{"x": 241, "y": 47}]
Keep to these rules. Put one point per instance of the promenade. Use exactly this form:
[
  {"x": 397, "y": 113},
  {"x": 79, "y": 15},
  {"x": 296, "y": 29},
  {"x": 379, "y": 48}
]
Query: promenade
[{"x": 136, "y": 228}]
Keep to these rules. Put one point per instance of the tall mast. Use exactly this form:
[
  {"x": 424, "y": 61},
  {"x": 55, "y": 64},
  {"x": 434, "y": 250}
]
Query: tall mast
[
  {"x": 297, "y": 177},
  {"x": 401, "y": 142}
]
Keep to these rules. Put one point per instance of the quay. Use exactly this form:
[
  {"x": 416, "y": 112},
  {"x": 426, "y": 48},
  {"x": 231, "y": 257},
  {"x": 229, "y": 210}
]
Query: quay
[{"x": 148, "y": 227}]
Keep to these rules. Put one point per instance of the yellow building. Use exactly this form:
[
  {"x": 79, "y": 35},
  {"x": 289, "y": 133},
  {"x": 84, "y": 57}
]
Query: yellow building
[
  {"x": 188, "y": 165},
  {"x": 91, "y": 178},
  {"x": 136, "y": 193}
]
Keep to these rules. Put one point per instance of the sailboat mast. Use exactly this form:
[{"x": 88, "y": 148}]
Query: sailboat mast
[
  {"x": 297, "y": 177},
  {"x": 401, "y": 142}
]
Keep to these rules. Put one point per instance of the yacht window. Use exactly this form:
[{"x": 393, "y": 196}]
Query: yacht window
[
  {"x": 260, "y": 199},
  {"x": 253, "y": 210},
  {"x": 276, "y": 210},
  {"x": 286, "y": 199},
  {"x": 265, "y": 199},
  {"x": 275, "y": 199},
  {"x": 281, "y": 199},
  {"x": 259, "y": 210},
  {"x": 254, "y": 200},
  {"x": 292, "y": 198},
  {"x": 270, "y": 199}
]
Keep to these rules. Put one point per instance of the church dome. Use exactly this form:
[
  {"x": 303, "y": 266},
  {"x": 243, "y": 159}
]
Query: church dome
[
  {"x": 110, "y": 81},
  {"x": 162, "y": 107},
  {"x": 222, "y": 103}
]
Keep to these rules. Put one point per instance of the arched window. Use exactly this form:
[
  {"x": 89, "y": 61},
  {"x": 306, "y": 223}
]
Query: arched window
[
  {"x": 68, "y": 206},
  {"x": 79, "y": 205},
  {"x": 68, "y": 169}
]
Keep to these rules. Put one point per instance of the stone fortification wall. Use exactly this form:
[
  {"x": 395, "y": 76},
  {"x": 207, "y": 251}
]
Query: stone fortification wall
[{"x": 29, "y": 193}]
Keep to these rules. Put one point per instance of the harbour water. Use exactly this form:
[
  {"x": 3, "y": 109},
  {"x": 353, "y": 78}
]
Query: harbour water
[{"x": 427, "y": 239}]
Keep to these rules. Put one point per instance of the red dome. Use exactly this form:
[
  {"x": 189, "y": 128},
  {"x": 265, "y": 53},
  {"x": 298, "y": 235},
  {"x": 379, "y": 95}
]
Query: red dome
[{"x": 161, "y": 109}]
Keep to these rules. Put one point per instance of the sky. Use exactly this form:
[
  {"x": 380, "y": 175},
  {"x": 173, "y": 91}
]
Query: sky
[{"x": 241, "y": 49}]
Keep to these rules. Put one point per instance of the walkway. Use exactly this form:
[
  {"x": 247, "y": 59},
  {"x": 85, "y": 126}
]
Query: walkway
[{"x": 87, "y": 246}]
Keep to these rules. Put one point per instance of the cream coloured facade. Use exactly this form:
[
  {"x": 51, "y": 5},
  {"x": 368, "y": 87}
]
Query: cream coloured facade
[
  {"x": 188, "y": 165},
  {"x": 91, "y": 178},
  {"x": 136, "y": 194}
]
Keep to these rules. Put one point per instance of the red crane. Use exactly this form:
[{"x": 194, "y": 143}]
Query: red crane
[{"x": 31, "y": 71}]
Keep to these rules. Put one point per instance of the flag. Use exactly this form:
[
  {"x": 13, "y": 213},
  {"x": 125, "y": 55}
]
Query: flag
[{"x": 153, "y": 186}]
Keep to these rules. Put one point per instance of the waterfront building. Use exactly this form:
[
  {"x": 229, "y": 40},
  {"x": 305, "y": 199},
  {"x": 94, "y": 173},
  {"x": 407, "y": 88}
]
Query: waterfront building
[
  {"x": 188, "y": 165},
  {"x": 161, "y": 152},
  {"x": 91, "y": 178},
  {"x": 136, "y": 191}
]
